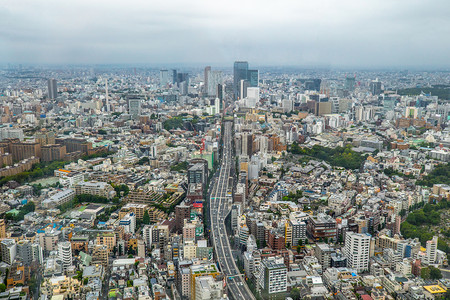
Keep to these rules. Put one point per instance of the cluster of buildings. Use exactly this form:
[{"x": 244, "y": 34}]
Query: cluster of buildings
[{"x": 123, "y": 162}]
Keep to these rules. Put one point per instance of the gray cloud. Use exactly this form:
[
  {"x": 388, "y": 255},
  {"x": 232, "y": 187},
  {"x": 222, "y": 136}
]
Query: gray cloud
[{"x": 343, "y": 33}]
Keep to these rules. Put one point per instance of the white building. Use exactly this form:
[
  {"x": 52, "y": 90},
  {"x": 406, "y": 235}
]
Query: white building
[
  {"x": 8, "y": 250},
  {"x": 357, "y": 248},
  {"x": 432, "y": 250},
  {"x": 128, "y": 222},
  {"x": 273, "y": 275},
  {"x": 65, "y": 254},
  {"x": 59, "y": 198},
  {"x": 207, "y": 288}
]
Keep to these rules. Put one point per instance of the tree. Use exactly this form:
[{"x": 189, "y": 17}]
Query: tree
[
  {"x": 425, "y": 273},
  {"x": 2, "y": 287},
  {"x": 300, "y": 242},
  {"x": 402, "y": 213},
  {"x": 146, "y": 218},
  {"x": 85, "y": 281},
  {"x": 435, "y": 273},
  {"x": 295, "y": 294}
]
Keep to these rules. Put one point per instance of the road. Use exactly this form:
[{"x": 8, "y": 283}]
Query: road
[{"x": 220, "y": 203}]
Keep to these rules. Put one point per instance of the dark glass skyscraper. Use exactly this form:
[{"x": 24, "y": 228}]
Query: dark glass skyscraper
[
  {"x": 52, "y": 89},
  {"x": 240, "y": 71},
  {"x": 253, "y": 77}
]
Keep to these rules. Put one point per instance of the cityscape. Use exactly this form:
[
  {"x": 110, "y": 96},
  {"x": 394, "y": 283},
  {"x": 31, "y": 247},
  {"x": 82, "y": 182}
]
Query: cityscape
[{"x": 238, "y": 178}]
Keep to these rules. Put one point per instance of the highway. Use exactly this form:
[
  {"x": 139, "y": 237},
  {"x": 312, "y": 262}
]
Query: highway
[{"x": 220, "y": 204}]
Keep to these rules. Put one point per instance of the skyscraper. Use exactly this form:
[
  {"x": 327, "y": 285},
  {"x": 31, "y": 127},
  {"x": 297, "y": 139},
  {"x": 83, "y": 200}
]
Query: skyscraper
[
  {"x": 375, "y": 87},
  {"x": 163, "y": 78},
  {"x": 134, "y": 107},
  {"x": 253, "y": 77},
  {"x": 206, "y": 77},
  {"x": 106, "y": 95},
  {"x": 52, "y": 89},
  {"x": 214, "y": 79},
  {"x": 240, "y": 71}
]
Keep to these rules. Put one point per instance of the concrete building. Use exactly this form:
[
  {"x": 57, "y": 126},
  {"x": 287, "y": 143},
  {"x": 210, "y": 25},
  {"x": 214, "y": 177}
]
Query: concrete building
[
  {"x": 357, "y": 249},
  {"x": 8, "y": 250},
  {"x": 95, "y": 188},
  {"x": 272, "y": 277},
  {"x": 65, "y": 254},
  {"x": 206, "y": 287}
]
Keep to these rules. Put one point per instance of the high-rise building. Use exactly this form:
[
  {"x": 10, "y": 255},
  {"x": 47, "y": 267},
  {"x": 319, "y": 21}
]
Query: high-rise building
[
  {"x": 174, "y": 76},
  {"x": 253, "y": 77},
  {"x": 272, "y": 277},
  {"x": 350, "y": 83},
  {"x": 52, "y": 89},
  {"x": 182, "y": 212},
  {"x": 357, "y": 249},
  {"x": 134, "y": 107},
  {"x": 206, "y": 78},
  {"x": 243, "y": 85},
  {"x": 106, "y": 95},
  {"x": 215, "y": 78},
  {"x": 432, "y": 250},
  {"x": 375, "y": 87},
  {"x": 240, "y": 71},
  {"x": 25, "y": 251},
  {"x": 65, "y": 254},
  {"x": 8, "y": 250},
  {"x": 163, "y": 78}
]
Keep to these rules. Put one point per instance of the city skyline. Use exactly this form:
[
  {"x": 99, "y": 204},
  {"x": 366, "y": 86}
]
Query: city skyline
[{"x": 347, "y": 34}]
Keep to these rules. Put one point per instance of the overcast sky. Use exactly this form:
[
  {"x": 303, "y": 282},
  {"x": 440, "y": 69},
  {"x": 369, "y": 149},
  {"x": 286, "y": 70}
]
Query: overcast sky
[{"x": 337, "y": 33}]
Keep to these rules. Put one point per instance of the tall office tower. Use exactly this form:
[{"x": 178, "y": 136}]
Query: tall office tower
[
  {"x": 134, "y": 107},
  {"x": 253, "y": 77},
  {"x": 243, "y": 85},
  {"x": 52, "y": 89},
  {"x": 240, "y": 71},
  {"x": 215, "y": 78},
  {"x": 206, "y": 78},
  {"x": 106, "y": 95},
  {"x": 350, "y": 83},
  {"x": 174, "y": 76},
  {"x": 356, "y": 249},
  {"x": 65, "y": 254},
  {"x": 432, "y": 250},
  {"x": 219, "y": 92},
  {"x": 163, "y": 78},
  {"x": 375, "y": 87}
]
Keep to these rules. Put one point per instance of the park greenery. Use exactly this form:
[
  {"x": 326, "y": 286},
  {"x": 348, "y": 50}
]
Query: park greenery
[
  {"x": 440, "y": 174},
  {"x": 182, "y": 166},
  {"x": 339, "y": 156},
  {"x": 294, "y": 197},
  {"x": 419, "y": 224},
  {"x": 391, "y": 172},
  {"x": 27, "y": 208},
  {"x": 442, "y": 91},
  {"x": 174, "y": 123}
]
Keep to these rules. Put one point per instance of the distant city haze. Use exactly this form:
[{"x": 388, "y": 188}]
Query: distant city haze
[{"x": 369, "y": 34}]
